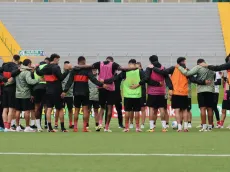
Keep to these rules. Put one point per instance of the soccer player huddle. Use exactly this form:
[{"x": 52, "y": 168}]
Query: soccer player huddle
[{"x": 30, "y": 89}]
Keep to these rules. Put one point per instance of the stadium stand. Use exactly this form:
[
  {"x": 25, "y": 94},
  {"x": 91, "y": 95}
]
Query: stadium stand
[{"x": 122, "y": 30}]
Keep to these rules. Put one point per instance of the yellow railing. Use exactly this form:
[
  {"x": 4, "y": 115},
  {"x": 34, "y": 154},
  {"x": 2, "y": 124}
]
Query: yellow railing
[
  {"x": 8, "y": 45},
  {"x": 224, "y": 12}
]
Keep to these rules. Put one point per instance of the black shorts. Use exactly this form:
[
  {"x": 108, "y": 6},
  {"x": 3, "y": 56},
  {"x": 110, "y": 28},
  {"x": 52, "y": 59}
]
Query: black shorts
[
  {"x": 132, "y": 104},
  {"x": 94, "y": 104},
  {"x": 156, "y": 101},
  {"x": 106, "y": 97},
  {"x": 226, "y": 104},
  {"x": 143, "y": 101},
  {"x": 68, "y": 101},
  {"x": 179, "y": 102},
  {"x": 8, "y": 99},
  {"x": 24, "y": 104},
  {"x": 39, "y": 96},
  {"x": 205, "y": 99},
  {"x": 81, "y": 101},
  {"x": 189, "y": 104},
  {"x": 54, "y": 100}
]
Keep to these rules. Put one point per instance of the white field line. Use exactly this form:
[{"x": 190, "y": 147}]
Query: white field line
[{"x": 114, "y": 154}]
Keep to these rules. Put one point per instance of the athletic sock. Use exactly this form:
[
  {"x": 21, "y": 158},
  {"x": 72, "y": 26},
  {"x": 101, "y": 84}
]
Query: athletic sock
[
  {"x": 151, "y": 124},
  {"x": 32, "y": 122},
  {"x": 70, "y": 123},
  {"x": 210, "y": 127},
  {"x": 179, "y": 127},
  {"x": 56, "y": 123},
  {"x": 97, "y": 124},
  {"x": 186, "y": 125},
  {"x": 100, "y": 122},
  {"x": 50, "y": 126},
  {"x": 167, "y": 123},
  {"x": 5, "y": 124},
  {"x": 62, "y": 126},
  {"x": 189, "y": 122},
  {"x": 137, "y": 125},
  {"x": 8, "y": 125},
  {"x": 107, "y": 126},
  {"x": 85, "y": 125},
  {"x": 163, "y": 124},
  {"x": 38, "y": 123},
  {"x": 75, "y": 124},
  {"x": 204, "y": 126},
  {"x": 127, "y": 124},
  {"x": 13, "y": 122}
]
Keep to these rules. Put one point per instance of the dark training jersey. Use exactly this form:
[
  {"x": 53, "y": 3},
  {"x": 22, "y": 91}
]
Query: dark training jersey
[
  {"x": 53, "y": 77},
  {"x": 80, "y": 78}
]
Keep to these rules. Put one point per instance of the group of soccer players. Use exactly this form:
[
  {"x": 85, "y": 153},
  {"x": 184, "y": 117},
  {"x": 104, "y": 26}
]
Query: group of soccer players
[{"x": 30, "y": 89}]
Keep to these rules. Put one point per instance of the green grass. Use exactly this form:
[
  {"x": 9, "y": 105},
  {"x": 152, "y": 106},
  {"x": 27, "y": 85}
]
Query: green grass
[{"x": 216, "y": 142}]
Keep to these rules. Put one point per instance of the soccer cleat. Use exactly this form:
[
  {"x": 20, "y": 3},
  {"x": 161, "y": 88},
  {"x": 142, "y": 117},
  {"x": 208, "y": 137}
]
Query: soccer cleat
[
  {"x": 75, "y": 130},
  {"x": 164, "y": 130},
  {"x": 150, "y": 130},
  {"x": 189, "y": 125},
  {"x": 22, "y": 127},
  {"x": 29, "y": 130},
  {"x": 1, "y": 129},
  {"x": 64, "y": 130},
  {"x": 138, "y": 130},
  {"x": 33, "y": 126},
  {"x": 52, "y": 131},
  {"x": 142, "y": 126},
  {"x": 18, "y": 129},
  {"x": 13, "y": 127},
  {"x": 131, "y": 126},
  {"x": 203, "y": 130},
  {"x": 125, "y": 130},
  {"x": 186, "y": 130},
  {"x": 108, "y": 130},
  {"x": 86, "y": 130},
  {"x": 179, "y": 131},
  {"x": 56, "y": 127},
  {"x": 121, "y": 126},
  {"x": 228, "y": 127},
  {"x": 98, "y": 128},
  {"x": 11, "y": 130},
  {"x": 39, "y": 130},
  {"x": 199, "y": 126},
  {"x": 71, "y": 126}
]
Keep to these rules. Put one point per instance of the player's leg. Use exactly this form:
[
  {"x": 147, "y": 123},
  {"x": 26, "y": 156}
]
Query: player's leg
[
  {"x": 27, "y": 106},
  {"x": 127, "y": 117},
  {"x": 143, "y": 116},
  {"x": 27, "y": 119},
  {"x": 56, "y": 119},
  {"x": 32, "y": 120},
  {"x": 96, "y": 107},
  {"x": 118, "y": 106},
  {"x": 86, "y": 116},
  {"x": 11, "y": 115},
  {"x": 215, "y": 108},
  {"x": 38, "y": 116},
  {"x": 137, "y": 120},
  {"x": 185, "y": 119},
  {"x": 203, "y": 118},
  {"x": 178, "y": 119},
  {"x": 110, "y": 102},
  {"x": 109, "y": 116},
  {"x": 69, "y": 103},
  {"x": 131, "y": 120},
  {"x": 59, "y": 106},
  {"x": 163, "y": 120},
  {"x": 210, "y": 118},
  {"x": 189, "y": 118},
  {"x": 50, "y": 106}
]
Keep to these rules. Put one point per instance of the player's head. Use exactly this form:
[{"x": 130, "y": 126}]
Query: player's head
[
  {"x": 199, "y": 61},
  {"x": 94, "y": 71},
  {"x": 227, "y": 59},
  {"x": 138, "y": 64},
  {"x": 66, "y": 65},
  {"x": 16, "y": 58},
  {"x": 153, "y": 59},
  {"x": 27, "y": 62},
  {"x": 81, "y": 60},
  {"x": 182, "y": 61},
  {"x": 47, "y": 60},
  {"x": 54, "y": 58},
  {"x": 110, "y": 59},
  {"x": 132, "y": 63}
]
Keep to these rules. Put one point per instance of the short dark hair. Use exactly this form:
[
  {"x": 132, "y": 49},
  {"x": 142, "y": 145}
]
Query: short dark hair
[
  {"x": 81, "y": 59},
  {"x": 153, "y": 58},
  {"x": 54, "y": 56},
  {"x": 16, "y": 57},
  {"x": 180, "y": 59},
  {"x": 139, "y": 63},
  {"x": 200, "y": 61},
  {"x": 26, "y": 62},
  {"x": 110, "y": 58},
  {"x": 132, "y": 61},
  {"x": 47, "y": 58},
  {"x": 66, "y": 62}
]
